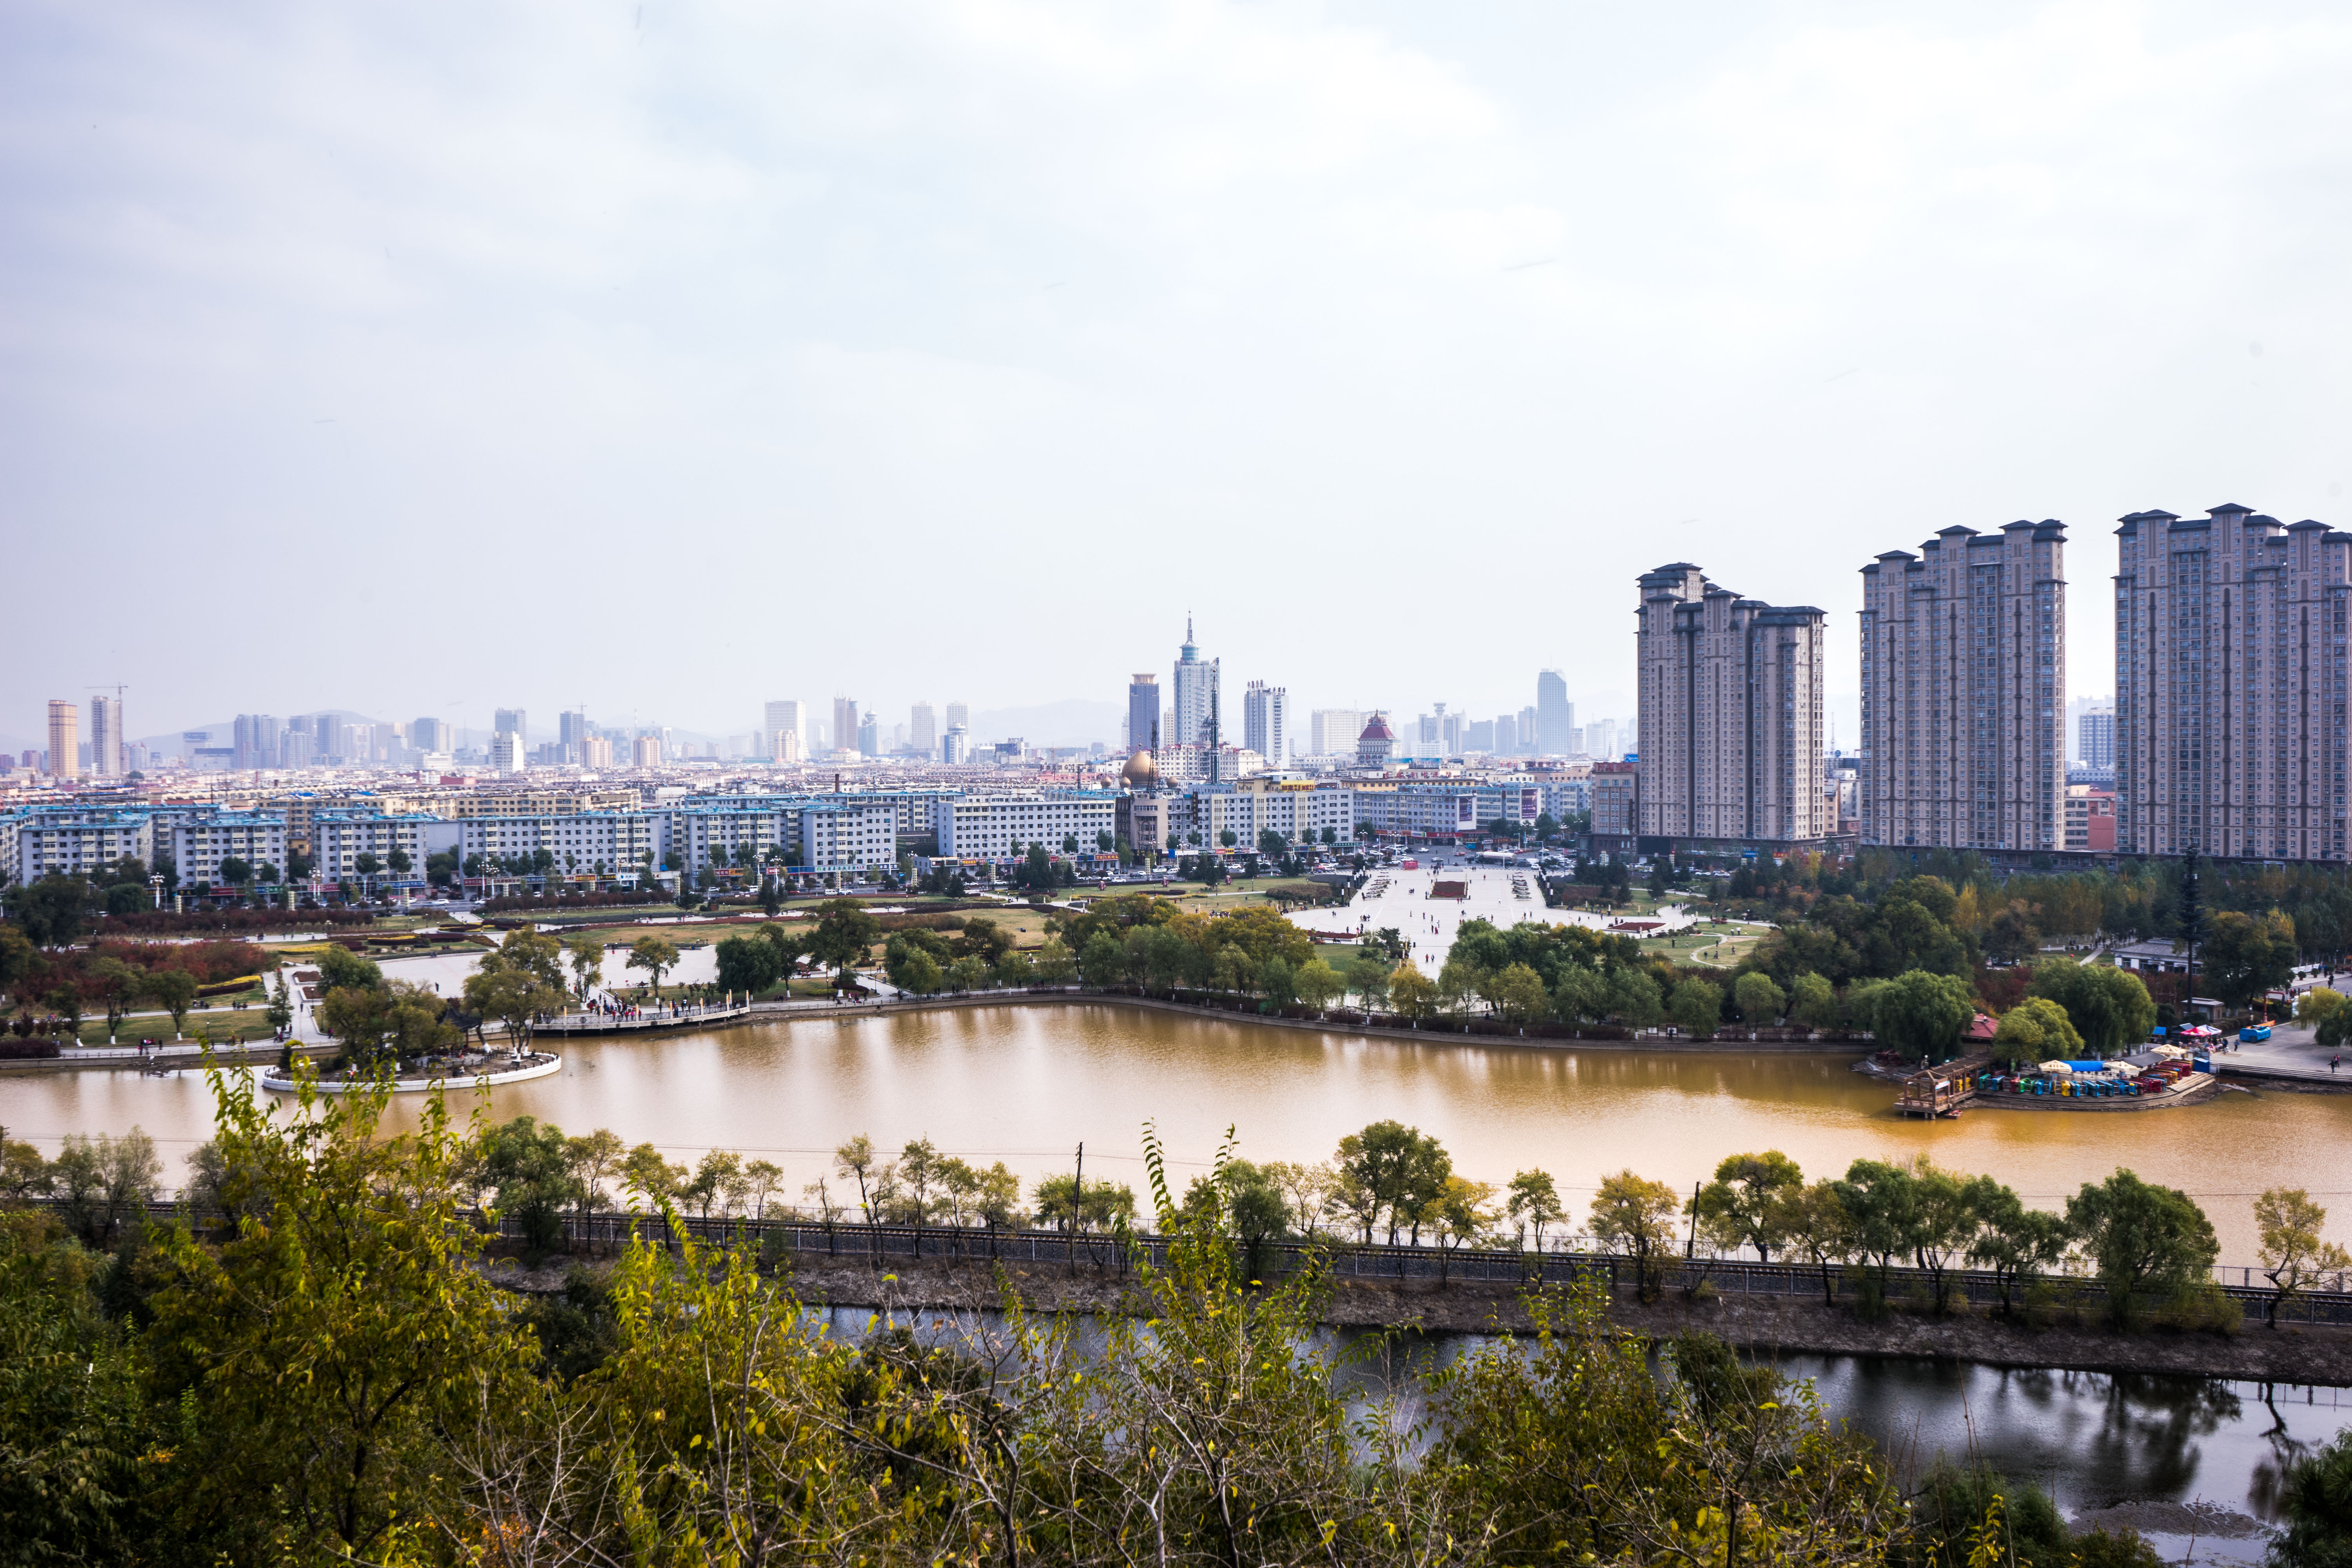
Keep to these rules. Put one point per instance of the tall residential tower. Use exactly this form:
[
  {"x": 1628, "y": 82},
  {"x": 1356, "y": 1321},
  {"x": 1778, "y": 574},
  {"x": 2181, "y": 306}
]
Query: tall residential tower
[
  {"x": 1730, "y": 714},
  {"x": 1964, "y": 691}
]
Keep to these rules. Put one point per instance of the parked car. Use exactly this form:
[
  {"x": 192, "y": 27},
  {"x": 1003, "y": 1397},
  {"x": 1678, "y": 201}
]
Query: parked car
[{"x": 2255, "y": 1034}]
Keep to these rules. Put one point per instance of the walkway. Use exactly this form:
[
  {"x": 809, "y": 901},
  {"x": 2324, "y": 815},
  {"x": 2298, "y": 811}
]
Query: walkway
[
  {"x": 1505, "y": 896},
  {"x": 2290, "y": 1052}
]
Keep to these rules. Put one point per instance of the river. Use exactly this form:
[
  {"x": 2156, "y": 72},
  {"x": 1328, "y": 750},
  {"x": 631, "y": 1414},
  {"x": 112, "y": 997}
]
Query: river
[{"x": 1027, "y": 1084}]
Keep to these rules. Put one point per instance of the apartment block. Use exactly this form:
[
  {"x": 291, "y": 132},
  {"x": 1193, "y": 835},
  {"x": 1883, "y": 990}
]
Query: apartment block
[
  {"x": 199, "y": 841},
  {"x": 1731, "y": 716},
  {"x": 1332, "y": 732},
  {"x": 1964, "y": 692},
  {"x": 2090, "y": 819},
  {"x": 1266, "y": 722},
  {"x": 65, "y": 740},
  {"x": 996, "y": 826},
  {"x": 2230, "y": 685}
]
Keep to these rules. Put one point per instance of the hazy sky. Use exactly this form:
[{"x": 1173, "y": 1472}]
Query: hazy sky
[{"x": 422, "y": 358}]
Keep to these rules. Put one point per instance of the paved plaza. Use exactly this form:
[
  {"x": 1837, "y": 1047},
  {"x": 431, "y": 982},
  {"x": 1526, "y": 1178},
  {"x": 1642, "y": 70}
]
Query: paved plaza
[{"x": 1503, "y": 895}]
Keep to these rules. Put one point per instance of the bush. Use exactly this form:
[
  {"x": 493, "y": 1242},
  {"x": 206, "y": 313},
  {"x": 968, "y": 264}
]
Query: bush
[
  {"x": 27, "y": 1050},
  {"x": 2205, "y": 1307}
]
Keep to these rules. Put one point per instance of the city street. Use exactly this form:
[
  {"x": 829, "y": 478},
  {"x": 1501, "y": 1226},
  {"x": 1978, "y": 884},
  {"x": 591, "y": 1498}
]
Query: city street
[{"x": 1503, "y": 895}]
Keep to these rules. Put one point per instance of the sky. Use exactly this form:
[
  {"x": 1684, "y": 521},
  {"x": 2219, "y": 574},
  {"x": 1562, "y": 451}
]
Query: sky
[{"x": 664, "y": 359}]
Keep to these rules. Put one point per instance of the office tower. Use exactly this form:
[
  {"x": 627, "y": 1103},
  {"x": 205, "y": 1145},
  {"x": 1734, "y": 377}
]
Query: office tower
[
  {"x": 506, "y": 751},
  {"x": 1478, "y": 737},
  {"x": 955, "y": 746},
  {"x": 1963, "y": 691},
  {"x": 1194, "y": 695},
  {"x": 1732, "y": 713},
  {"x": 572, "y": 732},
  {"x": 844, "y": 723},
  {"x": 254, "y": 743},
  {"x": 869, "y": 736},
  {"x": 65, "y": 740},
  {"x": 297, "y": 745},
  {"x": 1451, "y": 741},
  {"x": 106, "y": 736},
  {"x": 2095, "y": 730},
  {"x": 1527, "y": 729},
  {"x": 432, "y": 735},
  {"x": 1333, "y": 732},
  {"x": 1503, "y": 732},
  {"x": 787, "y": 715},
  {"x": 1266, "y": 722},
  {"x": 2230, "y": 690},
  {"x": 959, "y": 715},
  {"x": 510, "y": 722},
  {"x": 1555, "y": 714},
  {"x": 923, "y": 730},
  {"x": 1143, "y": 712}
]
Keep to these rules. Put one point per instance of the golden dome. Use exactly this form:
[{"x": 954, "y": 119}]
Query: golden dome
[{"x": 1141, "y": 771}]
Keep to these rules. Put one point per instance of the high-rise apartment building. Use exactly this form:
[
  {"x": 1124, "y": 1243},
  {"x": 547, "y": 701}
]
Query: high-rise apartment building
[
  {"x": 1143, "y": 712},
  {"x": 1555, "y": 714},
  {"x": 2095, "y": 736},
  {"x": 506, "y": 751},
  {"x": 1730, "y": 713},
  {"x": 65, "y": 740},
  {"x": 869, "y": 735},
  {"x": 645, "y": 751},
  {"x": 923, "y": 730},
  {"x": 844, "y": 723},
  {"x": 2229, "y": 685},
  {"x": 1527, "y": 729},
  {"x": 106, "y": 757},
  {"x": 254, "y": 742},
  {"x": 788, "y": 716},
  {"x": 1194, "y": 696},
  {"x": 434, "y": 735},
  {"x": 1333, "y": 732},
  {"x": 1964, "y": 691},
  {"x": 1600, "y": 740},
  {"x": 1504, "y": 734},
  {"x": 958, "y": 716},
  {"x": 510, "y": 722},
  {"x": 571, "y": 730},
  {"x": 1266, "y": 722}
]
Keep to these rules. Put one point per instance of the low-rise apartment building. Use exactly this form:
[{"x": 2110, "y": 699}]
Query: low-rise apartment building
[{"x": 991, "y": 827}]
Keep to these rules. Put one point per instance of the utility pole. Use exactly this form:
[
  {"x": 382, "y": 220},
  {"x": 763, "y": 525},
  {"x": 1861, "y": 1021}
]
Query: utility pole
[{"x": 1077, "y": 1211}]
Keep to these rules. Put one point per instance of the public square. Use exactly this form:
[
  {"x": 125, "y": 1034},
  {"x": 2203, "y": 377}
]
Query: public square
[{"x": 1503, "y": 895}]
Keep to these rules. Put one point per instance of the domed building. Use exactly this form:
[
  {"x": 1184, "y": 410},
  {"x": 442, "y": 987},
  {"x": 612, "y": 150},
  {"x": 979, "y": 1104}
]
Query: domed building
[
  {"x": 1373, "y": 746},
  {"x": 1141, "y": 772}
]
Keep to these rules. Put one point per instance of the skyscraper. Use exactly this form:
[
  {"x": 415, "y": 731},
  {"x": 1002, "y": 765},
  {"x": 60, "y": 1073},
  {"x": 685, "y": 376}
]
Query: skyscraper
[
  {"x": 432, "y": 735},
  {"x": 1555, "y": 715},
  {"x": 923, "y": 730},
  {"x": 1527, "y": 729},
  {"x": 785, "y": 716},
  {"x": 1143, "y": 712},
  {"x": 1266, "y": 722},
  {"x": 1505, "y": 734},
  {"x": 1964, "y": 691},
  {"x": 1732, "y": 713},
  {"x": 106, "y": 736},
  {"x": 571, "y": 736},
  {"x": 844, "y": 724},
  {"x": 1333, "y": 732},
  {"x": 2229, "y": 685},
  {"x": 65, "y": 740},
  {"x": 2095, "y": 732},
  {"x": 869, "y": 736},
  {"x": 506, "y": 751},
  {"x": 254, "y": 743},
  {"x": 1193, "y": 695},
  {"x": 510, "y": 722}
]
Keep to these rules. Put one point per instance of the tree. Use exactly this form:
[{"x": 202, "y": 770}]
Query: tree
[
  {"x": 49, "y": 912},
  {"x": 1399, "y": 1169},
  {"x": 2035, "y": 1030},
  {"x": 1813, "y": 1002},
  {"x": 2016, "y": 1243},
  {"x": 655, "y": 956},
  {"x": 532, "y": 1168},
  {"x": 1633, "y": 999},
  {"x": 2322, "y": 1008},
  {"x": 1759, "y": 1000},
  {"x": 1316, "y": 983},
  {"x": 715, "y": 1179},
  {"x": 2293, "y": 1256},
  {"x": 1747, "y": 1204},
  {"x": 1103, "y": 961},
  {"x": 1227, "y": 838},
  {"x": 587, "y": 957},
  {"x": 646, "y": 1171},
  {"x": 1410, "y": 992},
  {"x": 2143, "y": 1238},
  {"x": 2244, "y": 956},
  {"x": 1519, "y": 992},
  {"x": 118, "y": 986},
  {"x": 1534, "y": 1202},
  {"x": 1817, "y": 1225},
  {"x": 1056, "y": 966},
  {"x": 1920, "y": 1014},
  {"x": 317, "y": 1358},
  {"x": 104, "y": 1181},
  {"x": 174, "y": 991},
  {"x": 1695, "y": 1007},
  {"x": 844, "y": 933},
  {"x": 748, "y": 964},
  {"x": 516, "y": 998},
  {"x": 588, "y": 1161},
  {"x": 855, "y": 1160},
  {"x": 2109, "y": 1007},
  {"x": 1635, "y": 1216},
  {"x": 2317, "y": 1502}
]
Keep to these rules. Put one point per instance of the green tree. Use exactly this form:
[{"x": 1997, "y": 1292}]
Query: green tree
[
  {"x": 1317, "y": 984},
  {"x": 655, "y": 955},
  {"x": 2146, "y": 1239},
  {"x": 586, "y": 954},
  {"x": 1634, "y": 1000},
  {"x": 844, "y": 933},
  {"x": 1399, "y": 1169},
  {"x": 2294, "y": 1254},
  {"x": 2016, "y": 1243},
  {"x": 2109, "y": 1007},
  {"x": 1760, "y": 1003},
  {"x": 174, "y": 991},
  {"x": 49, "y": 912},
  {"x": 530, "y": 1165},
  {"x": 1923, "y": 1015},
  {"x": 1696, "y": 1007},
  {"x": 748, "y": 964},
  {"x": 1813, "y": 1002},
  {"x": 1056, "y": 966},
  {"x": 1533, "y": 1202},
  {"x": 1103, "y": 960},
  {"x": 2316, "y": 1502},
  {"x": 1519, "y": 992},
  {"x": 1747, "y": 1204},
  {"x": 1634, "y": 1216},
  {"x": 2244, "y": 955},
  {"x": 1410, "y": 992},
  {"x": 2036, "y": 1030},
  {"x": 317, "y": 1358}
]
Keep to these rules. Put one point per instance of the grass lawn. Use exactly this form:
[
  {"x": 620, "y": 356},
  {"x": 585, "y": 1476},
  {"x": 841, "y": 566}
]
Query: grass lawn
[{"x": 214, "y": 1016}]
